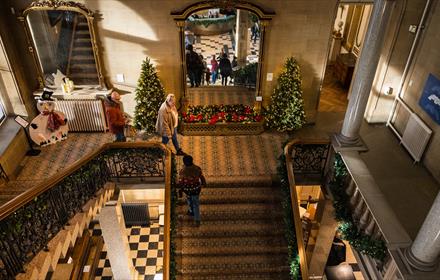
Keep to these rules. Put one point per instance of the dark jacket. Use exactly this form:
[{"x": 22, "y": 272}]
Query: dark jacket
[
  {"x": 225, "y": 67},
  {"x": 191, "y": 180}
]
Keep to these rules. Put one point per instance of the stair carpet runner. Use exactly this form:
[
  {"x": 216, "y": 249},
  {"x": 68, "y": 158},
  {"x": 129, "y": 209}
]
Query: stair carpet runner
[{"x": 241, "y": 235}]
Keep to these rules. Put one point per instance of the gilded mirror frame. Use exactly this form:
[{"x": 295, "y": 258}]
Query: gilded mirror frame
[
  {"x": 61, "y": 5},
  {"x": 264, "y": 15}
]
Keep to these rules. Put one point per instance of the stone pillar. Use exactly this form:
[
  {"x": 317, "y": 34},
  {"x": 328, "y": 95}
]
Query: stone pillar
[
  {"x": 364, "y": 75},
  {"x": 115, "y": 238},
  {"x": 241, "y": 37},
  {"x": 425, "y": 250}
]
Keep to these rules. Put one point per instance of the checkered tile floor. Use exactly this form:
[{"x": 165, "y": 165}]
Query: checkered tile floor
[
  {"x": 210, "y": 45},
  {"x": 146, "y": 250}
]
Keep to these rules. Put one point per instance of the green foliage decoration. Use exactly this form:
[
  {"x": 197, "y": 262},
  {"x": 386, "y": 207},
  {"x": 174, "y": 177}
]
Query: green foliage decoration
[
  {"x": 173, "y": 223},
  {"x": 289, "y": 232},
  {"x": 365, "y": 244},
  {"x": 286, "y": 111},
  {"x": 205, "y": 22},
  {"x": 246, "y": 75},
  {"x": 150, "y": 94}
]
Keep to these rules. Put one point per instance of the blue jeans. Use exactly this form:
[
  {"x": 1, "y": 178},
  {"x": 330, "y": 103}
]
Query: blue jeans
[
  {"x": 214, "y": 76},
  {"x": 166, "y": 139},
  {"x": 120, "y": 137},
  {"x": 194, "y": 203}
]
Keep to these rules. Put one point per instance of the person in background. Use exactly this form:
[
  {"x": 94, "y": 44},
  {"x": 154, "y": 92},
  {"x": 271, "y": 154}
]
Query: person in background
[
  {"x": 203, "y": 72},
  {"x": 115, "y": 117},
  {"x": 225, "y": 69},
  {"x": 194, "y": 66},
  {"x": 214, "y": 69},
  {"x": 191, "y": 181},
  {"x": 207, "y": 76},
  {"x": 167, "y": 121}
]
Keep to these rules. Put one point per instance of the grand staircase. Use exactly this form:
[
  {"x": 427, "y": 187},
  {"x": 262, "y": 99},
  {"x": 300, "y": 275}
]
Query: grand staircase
[
  {"x": 82, "y": 66},
  {"x": 241, "y": 235}
]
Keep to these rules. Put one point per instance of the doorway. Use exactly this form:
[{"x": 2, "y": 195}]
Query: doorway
[
  {"x": 222, "y": 51},
  {"x": 349, "y": 28}
]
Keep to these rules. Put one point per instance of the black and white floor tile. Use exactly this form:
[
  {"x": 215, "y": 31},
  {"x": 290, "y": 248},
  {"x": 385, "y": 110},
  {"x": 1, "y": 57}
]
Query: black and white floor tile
[{"x": 146, "y": 251}]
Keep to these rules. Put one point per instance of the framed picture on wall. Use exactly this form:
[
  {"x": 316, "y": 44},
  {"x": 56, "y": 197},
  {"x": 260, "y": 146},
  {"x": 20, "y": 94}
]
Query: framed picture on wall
[{"x": 430, "y": 99}]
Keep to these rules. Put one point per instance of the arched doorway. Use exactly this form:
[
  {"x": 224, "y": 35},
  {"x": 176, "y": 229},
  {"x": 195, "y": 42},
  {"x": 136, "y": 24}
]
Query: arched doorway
[{"x": 231, "y": 11}]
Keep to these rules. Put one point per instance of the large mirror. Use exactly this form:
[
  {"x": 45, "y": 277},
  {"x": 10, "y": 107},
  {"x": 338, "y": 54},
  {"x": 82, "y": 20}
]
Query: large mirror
[
  {"x": 63, "y": 43},
  {"x": 222, "y": 53}
]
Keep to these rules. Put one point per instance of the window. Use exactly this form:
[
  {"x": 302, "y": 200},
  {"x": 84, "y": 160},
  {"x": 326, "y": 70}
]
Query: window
[{"x": 2, "y": 112}]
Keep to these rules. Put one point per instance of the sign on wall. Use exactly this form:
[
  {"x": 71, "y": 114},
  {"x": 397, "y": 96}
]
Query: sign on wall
[{"x": 430, "y": 99}]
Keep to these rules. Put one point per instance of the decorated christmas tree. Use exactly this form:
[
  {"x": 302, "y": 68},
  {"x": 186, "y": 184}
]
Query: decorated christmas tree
[
  {"x": 149, "y": 96},
  {"x": 286, "y": 112}
]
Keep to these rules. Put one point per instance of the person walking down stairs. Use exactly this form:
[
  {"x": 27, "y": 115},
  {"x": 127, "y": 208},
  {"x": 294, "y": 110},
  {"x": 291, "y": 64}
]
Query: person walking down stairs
[{"x": 191, "y": 181}]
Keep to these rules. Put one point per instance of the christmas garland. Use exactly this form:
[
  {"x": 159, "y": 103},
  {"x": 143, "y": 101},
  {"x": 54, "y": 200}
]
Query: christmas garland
[
  {"x": 208, "y": 21},
  {"x": 212, "y": 114},
  {"x": 289, "y": 232},
  {"x": 365, "y": 244}
]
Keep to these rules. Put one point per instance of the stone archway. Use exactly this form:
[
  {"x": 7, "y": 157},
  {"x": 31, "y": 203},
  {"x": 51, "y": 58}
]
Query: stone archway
[{"x": 264, "y": 15}]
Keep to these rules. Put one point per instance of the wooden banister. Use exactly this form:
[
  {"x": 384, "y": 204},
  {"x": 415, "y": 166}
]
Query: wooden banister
[{"x": 288, "y": 149}]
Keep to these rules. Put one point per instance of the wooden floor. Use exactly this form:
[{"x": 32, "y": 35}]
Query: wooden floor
[{"x": 333, "y": 95}]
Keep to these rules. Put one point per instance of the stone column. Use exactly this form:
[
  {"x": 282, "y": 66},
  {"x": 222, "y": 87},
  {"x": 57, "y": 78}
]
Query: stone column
[
  {"x": 364, "y": 75},
  {"x": 241, "y": 37},
  {"x": 115, "y": 238},
  {"x": 425, "y": 250}
]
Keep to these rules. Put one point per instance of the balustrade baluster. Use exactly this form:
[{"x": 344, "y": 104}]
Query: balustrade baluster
[
  {"x": 351, "y": 188},
  {"x": 363, "y": 221},
  {"x": 359, "y": 210},
  {"x": 377, "y": 234},
  {"x": 354, "y": 200},
  {"x": 371, "y": 226}
]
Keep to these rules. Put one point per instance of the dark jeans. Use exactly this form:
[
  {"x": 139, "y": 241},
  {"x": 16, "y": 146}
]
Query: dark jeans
[
  {"x": 120, "y": 137},
  {"x": 224, "y": 80},
  {"x": 194, "y": 206},
  {"x": 192, "y": 77},
  {"x": 166, "y": 139}
]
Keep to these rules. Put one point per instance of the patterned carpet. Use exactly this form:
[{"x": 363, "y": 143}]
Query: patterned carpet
[
  {"x": 51, "y": 160},
  {"x": 220, "y": 156},
  {"x": 221, "y": 95}
]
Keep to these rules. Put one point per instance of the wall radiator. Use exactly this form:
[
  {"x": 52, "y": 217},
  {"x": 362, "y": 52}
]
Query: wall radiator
[
  {"x": 83, "y": 114},
  {"x": 416, "y": 137},
  {"x": 136, "y": 214},
  {"x": 416, "y": 134}
]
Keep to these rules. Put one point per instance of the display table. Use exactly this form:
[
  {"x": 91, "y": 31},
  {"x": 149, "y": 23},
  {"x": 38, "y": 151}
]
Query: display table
[{"x": 83, "y": 108}]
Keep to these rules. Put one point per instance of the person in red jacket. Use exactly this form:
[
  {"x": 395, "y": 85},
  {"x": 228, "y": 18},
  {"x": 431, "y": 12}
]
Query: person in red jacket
[{"x": 115, "y": 117}]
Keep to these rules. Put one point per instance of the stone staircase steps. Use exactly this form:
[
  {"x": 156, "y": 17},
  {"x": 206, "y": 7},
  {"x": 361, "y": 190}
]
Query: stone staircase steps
[
  {"x": 235, "y": 211},
  {"x": 240, "y": 276},
  {"x": 233, "y": 245},
  {"x": 237, "y": 195},
  {"x": 228, "y": 265},
  {"x": 241, "y": 235},
  {"x": 232, "y": 228}
]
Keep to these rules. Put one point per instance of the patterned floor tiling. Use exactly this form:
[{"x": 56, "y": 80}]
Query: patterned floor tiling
[{"x": 146, "y": 251}]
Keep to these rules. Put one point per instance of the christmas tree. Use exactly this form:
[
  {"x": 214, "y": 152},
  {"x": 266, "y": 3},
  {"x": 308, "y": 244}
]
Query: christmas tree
[
  {"x": 286, "y": 112},
  {"x": 149, "y": 96}
]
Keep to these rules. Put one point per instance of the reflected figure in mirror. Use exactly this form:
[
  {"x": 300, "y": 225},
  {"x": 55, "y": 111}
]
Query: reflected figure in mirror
[
  {"x": 214, "y": 69},
  {"x": 225, "y": 69},
  {"x": 194, "y": 66}
]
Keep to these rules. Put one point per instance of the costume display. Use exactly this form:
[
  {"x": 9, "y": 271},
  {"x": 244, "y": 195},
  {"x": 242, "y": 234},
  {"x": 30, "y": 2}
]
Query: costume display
[{"x": 49, "y": 126}]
